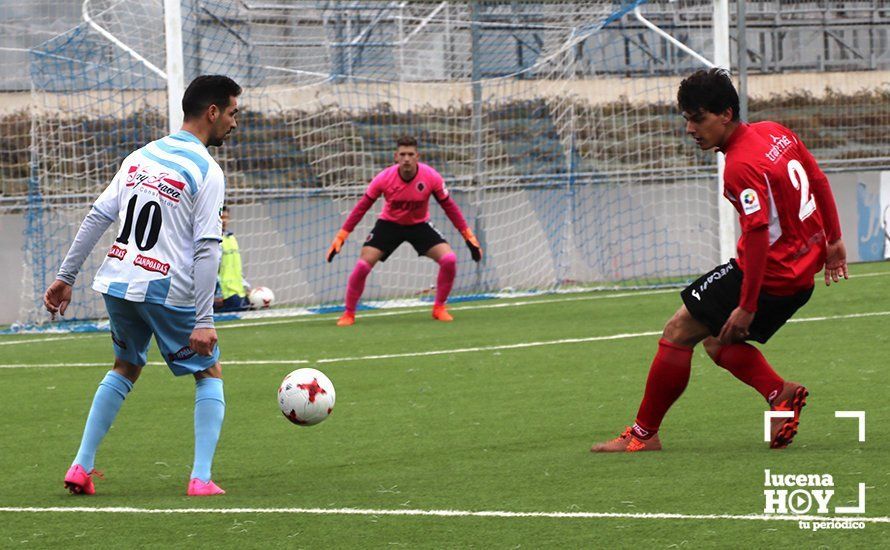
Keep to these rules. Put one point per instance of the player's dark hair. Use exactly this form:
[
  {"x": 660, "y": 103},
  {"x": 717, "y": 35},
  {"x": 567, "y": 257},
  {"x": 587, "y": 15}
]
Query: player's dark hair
[
  {"x": 709, "y": 90},
  {"x": 207, "y": 90},
  {"x": 406, "y": 141},
  {"x": 225, "y": 208}
]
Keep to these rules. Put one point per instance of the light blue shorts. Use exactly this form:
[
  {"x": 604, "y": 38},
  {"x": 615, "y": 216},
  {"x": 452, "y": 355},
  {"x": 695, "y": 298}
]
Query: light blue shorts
[{"x": 133, "y": 323}]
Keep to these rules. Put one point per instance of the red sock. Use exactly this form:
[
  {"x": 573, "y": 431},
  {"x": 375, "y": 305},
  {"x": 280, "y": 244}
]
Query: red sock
[
  {"x": 447, "y": 270},
  {"x": 668, "y": 377},
  {"x": 746, "y": 363},
  {"x": 356, "y": 284}
]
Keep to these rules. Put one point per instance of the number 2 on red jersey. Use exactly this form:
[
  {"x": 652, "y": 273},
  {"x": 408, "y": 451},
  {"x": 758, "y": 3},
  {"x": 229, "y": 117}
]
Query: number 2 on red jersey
[{"x": 801, "y": 182}]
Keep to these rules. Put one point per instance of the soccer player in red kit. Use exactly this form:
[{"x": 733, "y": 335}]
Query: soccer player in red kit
[
  {"x": 790, "y": 232},
  {"x": 406, "y": 186}
]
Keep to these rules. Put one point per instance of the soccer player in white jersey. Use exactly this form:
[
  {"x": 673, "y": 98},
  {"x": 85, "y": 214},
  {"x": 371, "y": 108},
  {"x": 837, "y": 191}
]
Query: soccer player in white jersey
[{"x": 159, "y": 275}]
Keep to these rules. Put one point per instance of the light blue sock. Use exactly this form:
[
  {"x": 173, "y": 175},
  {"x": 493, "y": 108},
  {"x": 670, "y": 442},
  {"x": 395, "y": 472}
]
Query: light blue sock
[
  {"x": 210, "y": 408},
  {"x": 113, "y": 389}
]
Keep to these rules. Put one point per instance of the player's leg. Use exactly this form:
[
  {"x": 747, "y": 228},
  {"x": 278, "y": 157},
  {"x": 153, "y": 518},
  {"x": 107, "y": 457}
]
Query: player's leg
[
  {"x": 380, "y": 243},
  {"x": 355, "y": 286},
  {"x": 232, "y": 303},
  {"x": 130, "y": 337},
  {"x": 447, "y": 260},
  {"x": 748, "y": 364},
  {"x": 427, "y": 241},
  {"x": 707, "y": 303},
  {"x": 172, "y": 327},
  {"x": 668, "y": 377},
  {"x": 210, "y": 409}
]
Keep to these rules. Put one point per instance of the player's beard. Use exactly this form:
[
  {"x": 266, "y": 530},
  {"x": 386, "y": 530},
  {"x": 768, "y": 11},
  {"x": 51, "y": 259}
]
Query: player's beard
[{"x": 216, "y": 141}]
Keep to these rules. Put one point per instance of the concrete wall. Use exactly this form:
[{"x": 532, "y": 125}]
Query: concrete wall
[{"x": 414, "y": 96}]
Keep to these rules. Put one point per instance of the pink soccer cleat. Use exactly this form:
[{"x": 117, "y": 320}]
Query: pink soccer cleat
[
  {"x": 79, "y": 481},
  {"x": 198, "y": 488}
]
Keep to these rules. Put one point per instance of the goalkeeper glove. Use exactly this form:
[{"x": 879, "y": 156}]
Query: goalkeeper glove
[
  {"x": 472, "y": 244},
  {"x": 337, "y": 244}
]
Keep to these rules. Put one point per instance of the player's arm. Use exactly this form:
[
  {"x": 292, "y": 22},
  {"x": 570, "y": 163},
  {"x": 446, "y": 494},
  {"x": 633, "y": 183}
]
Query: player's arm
[
  {"x": 836, "y": 254},
  {"x": 754, "y": 221},
  {"x": 452, "y": 210},
  {"x": 207, "y": 236},
  {"x": 372, "y": 193},
  {"x": 756, "y": 247},
  {"x": 207, "y": 256},
  {"x": 101, "y": 215}
]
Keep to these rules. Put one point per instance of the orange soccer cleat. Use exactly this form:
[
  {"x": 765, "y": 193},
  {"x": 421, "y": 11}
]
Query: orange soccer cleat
[
  {"x": 346, "y": 320},
  {"x": 440, "y": 313},
  {"x": 627, "y": 442},
  {"x": 793, "y": 397}
]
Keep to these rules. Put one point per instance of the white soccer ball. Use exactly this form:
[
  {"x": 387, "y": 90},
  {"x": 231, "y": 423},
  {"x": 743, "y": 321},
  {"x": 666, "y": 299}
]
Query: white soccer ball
[
  {"x": 306, "y": 397},
  {"x": 261, "y": 297}
]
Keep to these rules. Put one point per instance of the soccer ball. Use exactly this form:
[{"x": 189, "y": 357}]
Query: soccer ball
[
  {"x": 306, "y": 397},
  {"x": 260, "y": 297}
]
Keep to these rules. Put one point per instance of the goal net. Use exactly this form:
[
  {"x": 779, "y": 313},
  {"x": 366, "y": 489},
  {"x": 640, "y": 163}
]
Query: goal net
[{"x": 553, "y": 123}]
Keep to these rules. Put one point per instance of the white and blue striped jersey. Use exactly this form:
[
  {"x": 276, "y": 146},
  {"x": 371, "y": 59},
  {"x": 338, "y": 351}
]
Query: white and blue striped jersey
[{"x": 166, "y": 197}]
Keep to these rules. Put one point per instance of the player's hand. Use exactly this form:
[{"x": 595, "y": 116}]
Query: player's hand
[
  {"x": 735, "y": 329},
  {"x": 337, "y": 244},
  {"x": 203, "y": 340},
  {"x": 472, "y": 244},
  {"x": 835, "y": 262},
  {"x": 57, "y": 298}
]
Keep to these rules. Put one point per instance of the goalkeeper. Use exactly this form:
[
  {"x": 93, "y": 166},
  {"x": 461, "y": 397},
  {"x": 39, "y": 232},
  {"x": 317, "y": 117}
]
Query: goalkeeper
[{"x": 406, "y": 187}]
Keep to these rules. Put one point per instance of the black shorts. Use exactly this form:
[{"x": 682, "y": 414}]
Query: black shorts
[
  {"x": 387, "y": 236},
  {"x": 714, "y": 295}
]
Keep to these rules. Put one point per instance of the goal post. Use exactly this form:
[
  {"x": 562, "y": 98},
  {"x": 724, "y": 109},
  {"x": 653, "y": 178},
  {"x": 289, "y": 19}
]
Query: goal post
[
  {"x": 175, "y": 67},
  {"x": 554, "y": 125}
]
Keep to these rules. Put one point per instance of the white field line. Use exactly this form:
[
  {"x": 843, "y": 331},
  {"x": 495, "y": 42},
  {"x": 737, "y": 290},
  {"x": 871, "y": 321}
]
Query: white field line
[
  {"x": 372, "y": 357},
  {"x": 468, "y": 307},
  {"x": 51, "y": 339},
  {"x": 491, "y": 348},
  {"x": 150, "y": 363},
  {"x": 442, "y": 351},
  {"x": 863, "y": 275},
  {"x": 324, "y": 317},
  {"x": 833, "y": 317},
  {"x": 436, "y": 513}
]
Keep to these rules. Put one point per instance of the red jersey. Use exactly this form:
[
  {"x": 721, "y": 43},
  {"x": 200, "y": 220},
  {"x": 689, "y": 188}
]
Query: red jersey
[{"x": 773, "y": 181}]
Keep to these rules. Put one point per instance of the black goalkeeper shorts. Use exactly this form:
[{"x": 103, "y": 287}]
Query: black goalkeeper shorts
[
  {"x": 714, "y": 295},
  {"x": 387, "y": 236}
]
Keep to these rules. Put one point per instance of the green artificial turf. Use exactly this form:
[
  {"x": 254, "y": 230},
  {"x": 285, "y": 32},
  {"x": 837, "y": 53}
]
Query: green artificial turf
[{"x": 469, "y": 429}]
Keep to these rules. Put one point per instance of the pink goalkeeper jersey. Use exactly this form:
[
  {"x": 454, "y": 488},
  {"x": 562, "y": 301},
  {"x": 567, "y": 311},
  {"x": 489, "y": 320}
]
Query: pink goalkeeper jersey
[{"x": 407, "y": 203}]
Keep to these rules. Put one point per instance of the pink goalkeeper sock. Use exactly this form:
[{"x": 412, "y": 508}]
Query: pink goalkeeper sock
[
  {"x": 356, "y": 284},
  {"x": 447, "y": 271}
]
